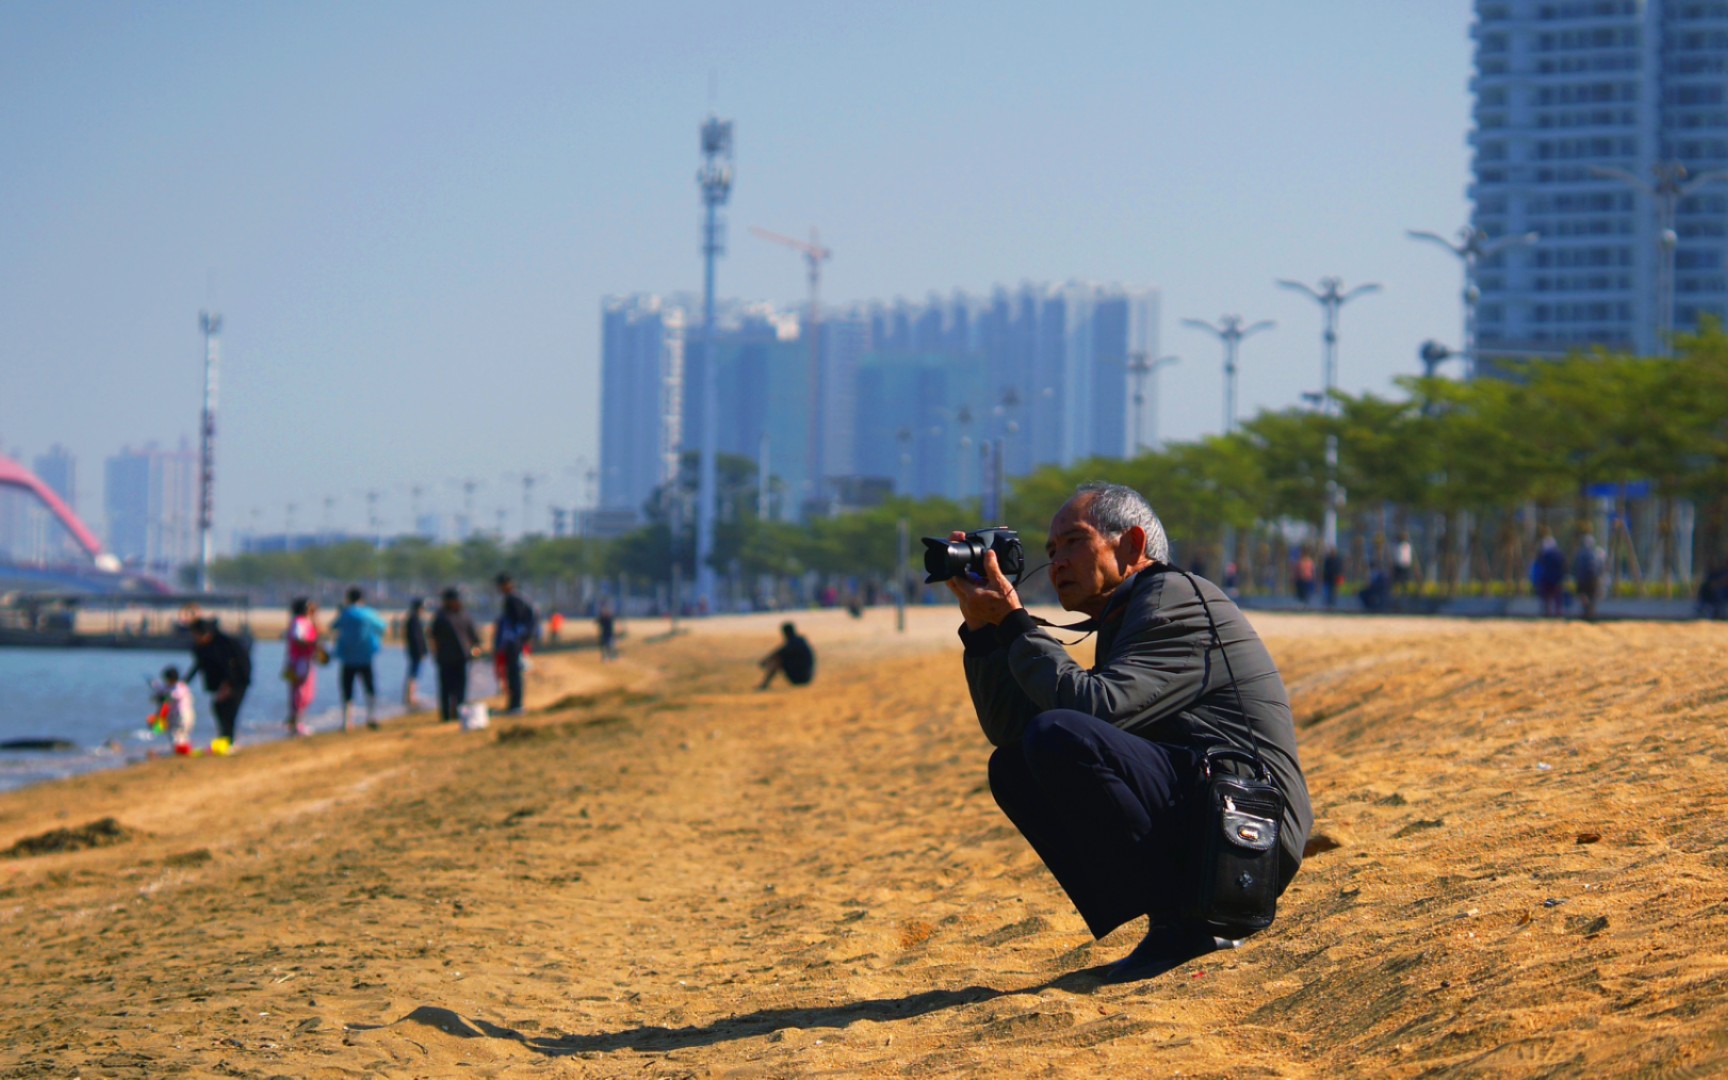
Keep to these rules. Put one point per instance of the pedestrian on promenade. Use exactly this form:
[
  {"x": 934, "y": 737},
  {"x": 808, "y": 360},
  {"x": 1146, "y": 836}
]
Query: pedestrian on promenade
[
  {"x": 455, "y": 641},
  {"x": 515, "y": 631},
  {"x": 226, "y": 662},
  {"x": 1331, "y": 575},
  {"x": 607, "y": 623},
  {"x": 359, "y": 634},
  {"x": 1304, "y": 577},
  {"x": 1376, "y": 596},
  {"x": 1713, "y": 593},
  {"x": 414, "y": 644},
  {"x": 1403, "y": 565},
  {"x": 1588, "y": 564},
  {"x": 1548, "y": 575},
  {"x": 300, "y": 668}
]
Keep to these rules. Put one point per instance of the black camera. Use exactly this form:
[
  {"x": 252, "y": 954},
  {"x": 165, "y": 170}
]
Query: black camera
[{"x": 944, "y": 558}]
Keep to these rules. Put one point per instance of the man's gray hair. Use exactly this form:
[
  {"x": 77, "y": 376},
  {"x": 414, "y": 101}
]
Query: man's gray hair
[{"x": 1114, "y": 509}]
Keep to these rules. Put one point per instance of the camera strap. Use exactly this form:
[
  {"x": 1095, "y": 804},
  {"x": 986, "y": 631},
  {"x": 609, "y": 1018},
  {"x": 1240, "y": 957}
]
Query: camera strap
[{"x": 1091, "y": 626}]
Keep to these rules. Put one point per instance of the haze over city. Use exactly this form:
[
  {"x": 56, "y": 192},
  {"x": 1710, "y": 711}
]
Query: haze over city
[{"x": 408, "y": 214}]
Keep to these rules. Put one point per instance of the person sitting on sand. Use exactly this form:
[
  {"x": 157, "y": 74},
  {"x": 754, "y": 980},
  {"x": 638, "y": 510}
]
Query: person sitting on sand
[
  {"x": 1098, "y": 768},
  {"x": 795, "y": 659}
]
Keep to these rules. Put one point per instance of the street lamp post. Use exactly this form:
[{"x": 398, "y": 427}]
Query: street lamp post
[
  {"x": 1331, "y": 296},
  {"x": 904, "y": 438},
  {"x": 1471, "y": 247},
  {"x": 1671, "y": 185},
  {"x": 1230, "y": 331},
  {"x": 1145, "y": 369},
  {"x": 964, "y": 420}
]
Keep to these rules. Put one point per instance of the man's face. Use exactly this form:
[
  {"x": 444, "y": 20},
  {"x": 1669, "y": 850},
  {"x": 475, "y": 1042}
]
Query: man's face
[{"x": 1085, "y": 567}]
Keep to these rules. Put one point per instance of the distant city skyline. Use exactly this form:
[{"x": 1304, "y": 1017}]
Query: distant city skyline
[
  {"x": 906, "y": 393},
  {"x": 409, "y": 244}
]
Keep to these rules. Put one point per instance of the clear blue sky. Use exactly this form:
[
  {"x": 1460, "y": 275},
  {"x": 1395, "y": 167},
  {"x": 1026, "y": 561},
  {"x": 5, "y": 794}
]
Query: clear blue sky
[{"x": 408, "y": 213}]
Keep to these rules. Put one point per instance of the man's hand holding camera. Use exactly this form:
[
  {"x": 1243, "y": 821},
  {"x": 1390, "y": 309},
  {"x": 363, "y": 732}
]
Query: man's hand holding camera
[{"x": 987, "y": 599}]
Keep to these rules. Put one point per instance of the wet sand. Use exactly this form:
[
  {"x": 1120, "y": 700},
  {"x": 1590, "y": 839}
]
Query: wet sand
[{"x": 661, "y": 872}]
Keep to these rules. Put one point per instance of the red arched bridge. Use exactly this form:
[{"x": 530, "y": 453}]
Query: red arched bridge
[
  {"x": 14, "y": 475},
  {"x": 101, "y": 574}
]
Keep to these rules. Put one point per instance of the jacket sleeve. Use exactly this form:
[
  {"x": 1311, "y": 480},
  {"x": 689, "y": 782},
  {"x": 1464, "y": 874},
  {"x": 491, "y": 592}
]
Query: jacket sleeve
[
  {"x": 1156, "y": 669},
  {"x": 1002, "y": 707}
]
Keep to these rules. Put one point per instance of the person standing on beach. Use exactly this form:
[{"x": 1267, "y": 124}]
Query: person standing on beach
[
  {"x": 300, "y": 667},
  {"x": 359, "y": 634},
  {"x": 455, "y": 641},
  {"x": 1100, "y": 769},
  {"x": 414, "y": 644},
  {"x": 227, "y": 666},
  {"x": 514, "y": 632},
  {"x": 176, "y": 697}
]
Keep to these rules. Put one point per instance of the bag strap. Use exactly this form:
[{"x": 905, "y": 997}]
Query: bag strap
[{"x": 1235, "y": 687}]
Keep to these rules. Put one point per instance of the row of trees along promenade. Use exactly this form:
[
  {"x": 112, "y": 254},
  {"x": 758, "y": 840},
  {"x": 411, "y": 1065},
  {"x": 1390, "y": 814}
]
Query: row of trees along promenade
[{"x": 1632, "y": 448}]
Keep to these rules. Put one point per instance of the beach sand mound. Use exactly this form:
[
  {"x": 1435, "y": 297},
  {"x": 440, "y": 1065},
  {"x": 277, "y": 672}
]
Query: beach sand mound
[
  {"x": 54, "y": 841},
  {"x": 1520, "y": 868}
]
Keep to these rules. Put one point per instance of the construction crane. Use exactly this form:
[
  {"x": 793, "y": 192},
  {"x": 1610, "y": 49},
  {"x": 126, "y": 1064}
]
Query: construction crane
[{"x": 814, "y": 256}]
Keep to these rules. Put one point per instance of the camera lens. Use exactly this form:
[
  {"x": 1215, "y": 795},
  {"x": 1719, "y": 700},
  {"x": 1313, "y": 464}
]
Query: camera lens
[{"x": 944, "y": 559}]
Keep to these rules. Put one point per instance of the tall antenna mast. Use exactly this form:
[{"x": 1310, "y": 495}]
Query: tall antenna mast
[
  {"x": 211, "y": 324},
  {"x": 715, "y": 180}
]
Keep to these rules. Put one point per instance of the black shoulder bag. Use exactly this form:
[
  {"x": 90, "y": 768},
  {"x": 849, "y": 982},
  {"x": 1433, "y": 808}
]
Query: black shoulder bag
[{"x": 1233, "y": 888}]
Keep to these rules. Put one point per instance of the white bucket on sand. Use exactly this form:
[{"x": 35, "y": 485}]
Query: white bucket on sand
[{"x": 475, "y": 717}]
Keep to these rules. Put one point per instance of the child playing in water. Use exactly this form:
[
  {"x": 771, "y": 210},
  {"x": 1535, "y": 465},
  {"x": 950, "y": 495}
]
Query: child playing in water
[{"x": 177, "y": 708}]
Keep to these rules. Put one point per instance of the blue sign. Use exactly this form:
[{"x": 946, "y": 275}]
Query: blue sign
[{"x": 1625, "y": 489}]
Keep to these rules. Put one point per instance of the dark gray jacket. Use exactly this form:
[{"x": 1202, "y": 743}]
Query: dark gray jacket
[{"x": 1157, "y": 675}]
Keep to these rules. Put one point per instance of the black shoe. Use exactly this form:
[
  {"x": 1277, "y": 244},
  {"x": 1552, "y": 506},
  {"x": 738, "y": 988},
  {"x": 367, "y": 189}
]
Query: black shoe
[{"x": 1163, "y": 949}]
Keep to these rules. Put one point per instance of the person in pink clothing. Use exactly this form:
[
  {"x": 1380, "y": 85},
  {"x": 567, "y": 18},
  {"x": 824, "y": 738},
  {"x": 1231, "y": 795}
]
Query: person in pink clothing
[{"x": 300, "y": 671}]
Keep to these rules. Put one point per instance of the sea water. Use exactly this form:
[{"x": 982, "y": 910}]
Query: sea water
[{"x": 100, "y": 700}]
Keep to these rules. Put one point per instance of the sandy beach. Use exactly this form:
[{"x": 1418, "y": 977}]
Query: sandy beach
[{"x": 660, "y": 872}]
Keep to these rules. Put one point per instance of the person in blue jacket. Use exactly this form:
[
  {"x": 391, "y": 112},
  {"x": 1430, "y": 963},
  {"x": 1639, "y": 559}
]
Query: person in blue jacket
[{"x": 359, "y": 634}]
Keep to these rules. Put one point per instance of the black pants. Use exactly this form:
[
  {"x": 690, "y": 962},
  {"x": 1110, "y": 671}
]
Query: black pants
[
  {"x": 513, "y": 677},
  {"x": 228, "y": 714},
  {"x": 1107, "y": 812},
  {"x": 350, "y": 672},
  {"x": 452, "y": 687}
]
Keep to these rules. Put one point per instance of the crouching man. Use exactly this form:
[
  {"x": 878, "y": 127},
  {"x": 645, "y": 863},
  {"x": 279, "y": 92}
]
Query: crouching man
[{"x": 1100, "y": 769}]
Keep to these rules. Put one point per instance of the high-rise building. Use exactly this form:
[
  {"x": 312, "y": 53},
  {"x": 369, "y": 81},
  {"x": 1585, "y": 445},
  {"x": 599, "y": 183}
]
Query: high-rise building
[
  {"x": 59, "y": 470},
  {"x": 1567, "y": 87},
  {"x": 151, "y": 498},
  {"x": 765, "y": 400},
  {"x": 1050, "y": 378},
  {"x": 641, "y": 398}
]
